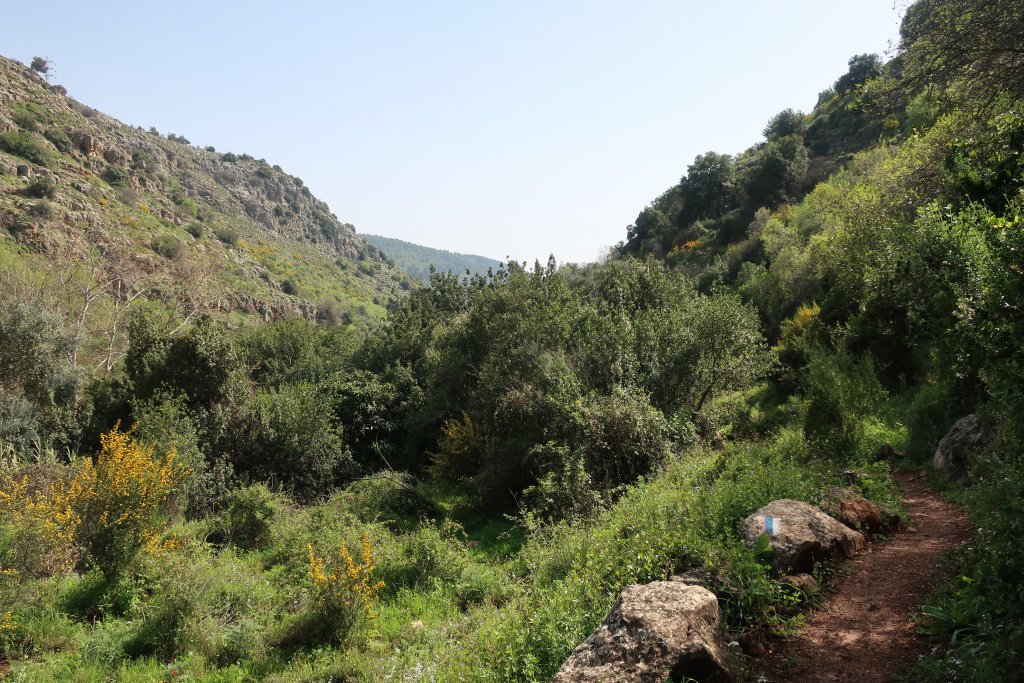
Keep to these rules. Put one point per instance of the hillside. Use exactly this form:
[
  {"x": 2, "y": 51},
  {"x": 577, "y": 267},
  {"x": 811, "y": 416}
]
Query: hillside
[
  {"x": 416, "y": 260},
  {"x": 193, "y": 229}
]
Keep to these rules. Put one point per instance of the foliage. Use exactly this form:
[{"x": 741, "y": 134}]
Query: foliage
[
  {"x": 119, "y": 500},
  {"x": 249, "y": 517},
  {"x": 167, "y": 246},
  {"x": 39, "y": 525},
  {"x": 41, "y": 187},
  {"x": 343, "y": 588},
  {"x": 27, "y": 145}
]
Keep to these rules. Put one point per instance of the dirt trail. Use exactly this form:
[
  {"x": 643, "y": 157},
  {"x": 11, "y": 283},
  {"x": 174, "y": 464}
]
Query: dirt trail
[{"x": 865, "y": 632}]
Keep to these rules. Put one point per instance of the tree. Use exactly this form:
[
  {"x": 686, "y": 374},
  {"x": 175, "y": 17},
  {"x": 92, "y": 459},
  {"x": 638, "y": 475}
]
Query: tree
[
  {"x": 41, "y": 65},
  {"x": 975, "y": 43},
  {"x": 708, "y": 188},
  {"x": 650, "y": 224},
  {"x": 786, "y": 122},
  {"x": 862, "y": 68}
]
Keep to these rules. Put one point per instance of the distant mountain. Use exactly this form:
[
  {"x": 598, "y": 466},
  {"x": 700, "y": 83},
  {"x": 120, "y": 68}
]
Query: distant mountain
[{"x": 416, "y": 259}]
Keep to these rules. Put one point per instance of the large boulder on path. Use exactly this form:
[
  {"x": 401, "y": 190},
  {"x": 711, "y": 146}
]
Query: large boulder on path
[
  {"x": 800, "y": 535},
  {"x": 966, "y": 436},
  {"x": 661, "y": 631}
]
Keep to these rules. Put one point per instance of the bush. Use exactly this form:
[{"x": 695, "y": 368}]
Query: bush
[
  {"x": 37, "y": 525},
  {"x": 166, "y": 421},
  {"x": 43, "y": 209},
  {"x": 59, "y": 139},
  {"x": 249, "y": 518},
  {"x": 391, "y": 497},
  {"x": 167, "y": 246},
  {"x": 117, "y": 176},
  {"x": 195, "y": 229},
  {"x": 118, "y": 501},
  {"x": 28, "y": 146},
  {"x": 344, "y": 589},
  {"x": 41, "y": 187},
  {"x": 290, "y": 439},
  {"x": 226, "y": 235},
  {"x": 229, "y": 158},
  {"x": 842, "y": 391}
]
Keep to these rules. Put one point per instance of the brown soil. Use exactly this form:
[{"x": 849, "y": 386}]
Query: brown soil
[{"x": 865, "y": 632}]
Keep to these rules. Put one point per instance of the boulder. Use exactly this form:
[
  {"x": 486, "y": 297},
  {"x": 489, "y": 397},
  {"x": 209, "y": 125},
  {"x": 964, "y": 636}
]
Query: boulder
[
  {"x": 966, "y": 436},
  {"x": 805, "y": 583},
  {"x": 858, "y": 513},
  {"x": 666, "y": 630},
  {"x": 24, "y": 170},
  {"x": 800, "y": 535}
]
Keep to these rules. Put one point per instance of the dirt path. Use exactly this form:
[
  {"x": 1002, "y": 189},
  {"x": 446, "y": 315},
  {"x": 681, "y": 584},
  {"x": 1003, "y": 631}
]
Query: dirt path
[{"x": 865, "y": 632}]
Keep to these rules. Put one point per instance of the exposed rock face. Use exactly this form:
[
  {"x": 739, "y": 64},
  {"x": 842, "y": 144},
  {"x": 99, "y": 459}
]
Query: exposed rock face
[
  {"x": 966, "y": 436},
  {"x": 801, "y": 535},
  {"x": 666, "y": 630}
]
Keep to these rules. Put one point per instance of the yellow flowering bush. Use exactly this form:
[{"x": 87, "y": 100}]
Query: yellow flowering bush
[
  {"x": 801, "y": 320},
  {"x": 119, "y": 500},
  {"x": 343, "y": 587},
  {"x": 38, "y": 526},
  {"x": 112, "y": 508}
]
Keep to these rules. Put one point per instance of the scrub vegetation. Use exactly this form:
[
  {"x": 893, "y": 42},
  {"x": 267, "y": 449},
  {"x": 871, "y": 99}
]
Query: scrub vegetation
[{"x": 461, "y": 490}]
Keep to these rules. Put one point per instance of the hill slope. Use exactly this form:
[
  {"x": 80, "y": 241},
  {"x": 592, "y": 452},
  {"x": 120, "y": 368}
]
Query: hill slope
[
  {"x": 416, "y": 260},
  {"x": 133, "y": 212}
]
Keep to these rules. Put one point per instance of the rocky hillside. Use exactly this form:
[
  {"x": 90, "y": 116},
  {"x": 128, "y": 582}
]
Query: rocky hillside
[{"x": 134, "y": 216}]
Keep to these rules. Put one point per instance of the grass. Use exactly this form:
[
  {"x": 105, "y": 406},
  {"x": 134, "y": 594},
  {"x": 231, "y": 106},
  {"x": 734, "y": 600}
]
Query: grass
[{"x": 467, "y": 597}]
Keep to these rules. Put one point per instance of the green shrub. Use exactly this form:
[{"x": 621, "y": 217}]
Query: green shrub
[
  {"x": 226, "y": 235},
  {"x": 167, "y": 246},
  {"x": 389, "y": 497},
  {"x": 290, "y": 438},
  {"x": 42, "y": 209},
  {"x": 431, "y": 555},
  {"x": 249, "y": 518},
  {"x": 218, "y": 608},
  {"x": 59, "y": 139},
  {"x": 229, "y": 158},
  {"x": 41, "y": 187},
  {"x": 842, "y": 392},
  {"x": 195, "y": 229},
  {"x": 117, "y": 176},
  {"x": 565, "y": 491},
  {"x": 165, "y": 420},
  {"x": 28, "y": 146}
]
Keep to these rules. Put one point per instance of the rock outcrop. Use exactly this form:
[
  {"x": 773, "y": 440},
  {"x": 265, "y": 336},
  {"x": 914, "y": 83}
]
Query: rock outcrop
[
  {"x": 800, "y": 535},
  {"x": 666, "y": 630},
  {"x": 966, "y": 436}
]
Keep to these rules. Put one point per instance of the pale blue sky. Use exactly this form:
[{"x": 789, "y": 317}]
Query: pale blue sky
[{"x": 513, "y": 129}]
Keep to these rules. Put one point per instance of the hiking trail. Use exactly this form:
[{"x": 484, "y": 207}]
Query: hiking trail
[{"x": 865, "y": 632}]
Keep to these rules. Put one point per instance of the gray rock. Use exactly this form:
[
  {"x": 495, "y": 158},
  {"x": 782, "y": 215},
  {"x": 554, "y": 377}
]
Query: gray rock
[
  {"x": 804, "y": 583},
  {"x": 24, "y": 170},
  {"x": 666, "y": 630},
  {"x": 966, "y": 436},
  {"x": 802, "y": 535}
]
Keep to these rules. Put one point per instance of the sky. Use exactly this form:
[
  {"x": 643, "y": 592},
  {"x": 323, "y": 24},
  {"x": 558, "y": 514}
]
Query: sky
[{"x": 510, "y": 130}]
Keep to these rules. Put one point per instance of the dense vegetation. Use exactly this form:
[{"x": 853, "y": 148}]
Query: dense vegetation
[
  {"x": 417, "y": 260},
  {"x": 462, "y": 493}
]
